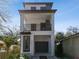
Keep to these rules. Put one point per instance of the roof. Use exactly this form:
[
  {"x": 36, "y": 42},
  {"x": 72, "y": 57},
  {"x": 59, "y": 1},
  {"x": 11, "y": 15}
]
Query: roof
[
  {"x": 47, "y": 3},
  {"x": 37, "y": 11},
  {"x": 31, "y": 3},
  {"x": 73, "y": 36}
]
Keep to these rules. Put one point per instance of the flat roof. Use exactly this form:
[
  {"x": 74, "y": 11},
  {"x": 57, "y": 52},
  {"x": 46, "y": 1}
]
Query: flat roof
[
  {"x": 31, "y": 3},
  {"x": 38, "y": 2},
  {"x": 38, "y": 11}
]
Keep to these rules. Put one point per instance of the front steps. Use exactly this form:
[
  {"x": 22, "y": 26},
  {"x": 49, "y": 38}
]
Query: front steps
[{"x": 47, "y": 57}]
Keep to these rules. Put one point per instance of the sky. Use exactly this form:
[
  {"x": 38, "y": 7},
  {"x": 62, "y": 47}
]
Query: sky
[{"x": 67, "y": 13}]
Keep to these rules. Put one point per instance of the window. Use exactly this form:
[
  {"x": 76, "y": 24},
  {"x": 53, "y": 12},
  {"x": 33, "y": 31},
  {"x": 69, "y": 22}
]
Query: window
[
  {"x": 43, "y": 26},
  {"x": 33, "y": 27},
  {"x": 43, "y": 8},
  {"x": 26, "y": 43},
  {"x": 48, "y": 25},
  {"x": 33, "y": 8}
]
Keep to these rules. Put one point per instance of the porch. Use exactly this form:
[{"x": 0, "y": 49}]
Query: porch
[{"x": 41, "y": 45}]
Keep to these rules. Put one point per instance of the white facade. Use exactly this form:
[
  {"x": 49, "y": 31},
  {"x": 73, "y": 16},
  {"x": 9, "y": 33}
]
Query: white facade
[{"x": 41, "y": 34}]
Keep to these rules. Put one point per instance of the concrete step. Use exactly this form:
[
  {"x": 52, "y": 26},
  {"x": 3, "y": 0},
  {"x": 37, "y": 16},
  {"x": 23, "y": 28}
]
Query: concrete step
[{"x": 48, "y": 57}]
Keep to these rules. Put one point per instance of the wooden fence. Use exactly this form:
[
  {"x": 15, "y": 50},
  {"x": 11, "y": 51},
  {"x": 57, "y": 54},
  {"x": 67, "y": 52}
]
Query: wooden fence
[{"x": 3, "y": 55}]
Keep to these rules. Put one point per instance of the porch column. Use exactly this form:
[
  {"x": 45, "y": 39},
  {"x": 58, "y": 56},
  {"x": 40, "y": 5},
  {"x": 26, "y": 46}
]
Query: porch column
[
  {"x": 21, "y": 30},
  {"x": 32, "y": 44},
  {"x": 21, "y": 23},
  {"x": 52, "y": 36},
  {"x": 21, "y": 43}
]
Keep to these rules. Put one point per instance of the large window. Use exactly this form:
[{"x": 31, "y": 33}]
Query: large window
[{"x": 26, "y": 43}]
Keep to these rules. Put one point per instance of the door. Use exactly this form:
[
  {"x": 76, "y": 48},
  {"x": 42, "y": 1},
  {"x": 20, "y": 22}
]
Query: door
[{"x": 41, "y": 47}]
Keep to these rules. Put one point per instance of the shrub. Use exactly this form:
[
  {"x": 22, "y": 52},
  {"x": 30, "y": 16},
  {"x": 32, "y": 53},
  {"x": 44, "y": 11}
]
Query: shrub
[{"x": 25, "y": 56}]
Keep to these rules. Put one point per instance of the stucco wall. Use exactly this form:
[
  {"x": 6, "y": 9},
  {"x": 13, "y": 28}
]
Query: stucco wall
[
  {"x": 71, "y": 47},
  {"x": 42, "y": 37}
]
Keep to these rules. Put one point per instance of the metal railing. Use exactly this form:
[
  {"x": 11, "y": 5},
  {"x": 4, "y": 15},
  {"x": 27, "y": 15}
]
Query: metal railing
[{"x": 37, "y": 27}]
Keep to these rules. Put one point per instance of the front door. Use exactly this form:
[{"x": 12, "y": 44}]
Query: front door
[{"x": 41, "y": 47}]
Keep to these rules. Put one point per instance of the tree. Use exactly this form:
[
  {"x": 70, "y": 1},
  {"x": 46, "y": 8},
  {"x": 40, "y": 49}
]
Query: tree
[
  {"x": 73, "y": 30},
  {"x": 59, "y": 48},
  {"x": 12, "y": 34},
  {"x": 68, "y": 34},
  {"x": 59, "y": 36},
  {"x": 8, "y": 40}
]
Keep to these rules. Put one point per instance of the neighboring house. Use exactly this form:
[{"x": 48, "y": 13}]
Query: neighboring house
[
  {"x": 37, "y": 30},
  {"x": 71, "y": 46}
]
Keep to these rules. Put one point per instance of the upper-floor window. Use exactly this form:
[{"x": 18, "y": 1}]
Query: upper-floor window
[
  {"x": 43, "y": 26},
  {"x": 33, "y": 8},
  {"x": 33, "y": 27},
  {"x": 48, "y": 25},
  {"x": 43, "y": 8}
]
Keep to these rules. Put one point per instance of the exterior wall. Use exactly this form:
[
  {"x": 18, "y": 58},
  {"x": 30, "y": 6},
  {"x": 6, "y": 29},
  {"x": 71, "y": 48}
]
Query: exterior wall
[
  {"x": 71, "y": 47},
  {"x": 42, "y": 37},
  {"x": 41, "y": 32},
  {"x": 76, "y": 47},
  {"x": 36, "y": 17},
  {"x": 67, "y": 47}
]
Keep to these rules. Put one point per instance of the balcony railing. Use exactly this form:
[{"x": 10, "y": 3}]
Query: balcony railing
[{"x": 37, "y": 27}]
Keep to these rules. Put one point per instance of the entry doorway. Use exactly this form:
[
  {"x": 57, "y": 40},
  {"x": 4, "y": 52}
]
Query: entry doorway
[{"x": 41, "y": 47}]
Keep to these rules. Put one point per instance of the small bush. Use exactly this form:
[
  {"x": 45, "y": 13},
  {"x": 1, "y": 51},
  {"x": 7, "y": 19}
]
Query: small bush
[
  {"x": 13, "y": 56},
  {"x": 25, "y": 56}
]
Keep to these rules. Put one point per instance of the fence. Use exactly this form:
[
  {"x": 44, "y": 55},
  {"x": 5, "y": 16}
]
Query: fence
[{"x": 3, "y": 55}]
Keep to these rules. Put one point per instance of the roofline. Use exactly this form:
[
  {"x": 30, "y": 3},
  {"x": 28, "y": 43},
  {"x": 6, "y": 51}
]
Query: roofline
[
  {"x": 37, "y": 2},
  {"x": 72, "y": 36},
  {"x": 47, "y": 3},
  {"x": 38, "y": 11}
]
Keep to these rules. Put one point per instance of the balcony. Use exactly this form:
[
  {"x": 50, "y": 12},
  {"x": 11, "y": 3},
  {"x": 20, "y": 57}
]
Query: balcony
[{"x": 37, "y": 27}]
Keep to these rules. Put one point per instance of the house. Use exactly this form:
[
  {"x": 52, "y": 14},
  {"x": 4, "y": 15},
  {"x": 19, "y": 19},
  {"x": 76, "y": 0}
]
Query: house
[
  {"x": 37, "y": 30},
  {"x": 71, "y": 46}
]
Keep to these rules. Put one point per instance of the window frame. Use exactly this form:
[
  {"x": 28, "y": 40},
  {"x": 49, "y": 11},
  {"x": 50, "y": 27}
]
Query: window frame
[
  {"x": 33, "y": 27},
  {"x": 26, "y": 49}
]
